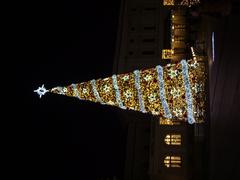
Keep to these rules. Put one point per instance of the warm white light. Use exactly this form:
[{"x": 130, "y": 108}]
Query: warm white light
[{"x": 193, "y": 53}]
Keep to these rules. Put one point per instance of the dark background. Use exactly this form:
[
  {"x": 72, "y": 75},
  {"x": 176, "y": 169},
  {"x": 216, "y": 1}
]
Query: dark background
[
  {"x": 68, "y": 42},
  {"x": 64, "y": 42}
]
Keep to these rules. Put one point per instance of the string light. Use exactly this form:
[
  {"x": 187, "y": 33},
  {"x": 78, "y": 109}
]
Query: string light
[{"x": 168, "y": 91}]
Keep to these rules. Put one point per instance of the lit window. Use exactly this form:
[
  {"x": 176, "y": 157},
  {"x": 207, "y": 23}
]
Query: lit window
[
  {"x": 167, "y": 53},
  {"x": 168, "y": 2},
  {"x": 173, "y": 139},
  {"x": 172, "y": 161},
  {"x": 165, "y": 121},
  {"x": 179, "y": 38},
  {"x": 179, "y": 26}
]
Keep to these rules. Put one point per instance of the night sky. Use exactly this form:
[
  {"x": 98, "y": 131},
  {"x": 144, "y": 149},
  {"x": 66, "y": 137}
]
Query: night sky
[
  {"x": 69, "y": 43},
  {"x": 64, "y": 138}
]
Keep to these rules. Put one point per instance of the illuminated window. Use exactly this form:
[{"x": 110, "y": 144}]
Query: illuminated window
[
  {"x": 173, "y": 139},
  {"x": 173, "y": 161},
  {"x": 165, "y": 121},
  {"x": 179, "y": 38},
  {"x": 168, "y": 2},
  {"x": 167, "y": 53},
  {"x": 179, "y": 26}
]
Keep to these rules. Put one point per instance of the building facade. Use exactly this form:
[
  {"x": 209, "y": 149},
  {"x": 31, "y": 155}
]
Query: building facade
[{"x": 152, "y": 32}]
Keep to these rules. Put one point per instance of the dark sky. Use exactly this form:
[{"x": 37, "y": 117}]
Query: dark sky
[{"x": 68, "y": 43}]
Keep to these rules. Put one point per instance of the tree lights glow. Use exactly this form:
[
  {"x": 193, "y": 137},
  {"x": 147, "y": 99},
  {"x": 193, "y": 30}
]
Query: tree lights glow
[{"x": 175, "y": 91}]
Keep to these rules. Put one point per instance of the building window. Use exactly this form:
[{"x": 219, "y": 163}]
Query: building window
[
  {"x": 169, "y": 122},
  {"x": 173, "y": 161},
  {"x": 173, "y": 139},
  {"x": 179, "y": 38},
  {"x": 168, "y": 2},
  {"x": 167, "y": 53},
  {"x": 179, "y": 26}
]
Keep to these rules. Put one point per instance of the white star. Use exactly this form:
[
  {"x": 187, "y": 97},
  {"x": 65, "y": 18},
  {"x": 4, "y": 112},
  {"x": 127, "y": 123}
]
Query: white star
[{"x": 41, "y": 91}]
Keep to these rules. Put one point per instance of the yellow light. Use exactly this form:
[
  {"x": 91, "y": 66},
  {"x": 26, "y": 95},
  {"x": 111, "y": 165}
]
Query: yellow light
[
  {"x": 168, "y": 2},
  {"x": 172, "y": 161},
  {"x": 173, "y": 139},
  {"x": 126, "y": 96},
  {"x": 173, "y": 16},
  {"x": 167, "y": 53}
]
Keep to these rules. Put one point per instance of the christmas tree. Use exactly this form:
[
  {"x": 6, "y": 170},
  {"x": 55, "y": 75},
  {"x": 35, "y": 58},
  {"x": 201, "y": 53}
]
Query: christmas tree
[{"x": 175, "y": 91}]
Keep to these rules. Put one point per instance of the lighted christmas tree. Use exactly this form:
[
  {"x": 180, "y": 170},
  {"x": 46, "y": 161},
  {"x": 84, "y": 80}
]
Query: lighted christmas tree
[{"x": 175, "y": 91}]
